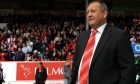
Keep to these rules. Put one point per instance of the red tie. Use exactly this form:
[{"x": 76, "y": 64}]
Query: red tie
[{"x": 86, "y": 58}]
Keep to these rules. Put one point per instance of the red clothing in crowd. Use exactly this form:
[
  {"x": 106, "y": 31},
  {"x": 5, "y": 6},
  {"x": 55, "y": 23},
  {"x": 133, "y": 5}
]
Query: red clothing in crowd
[
  {"x": 14, "y": 47},
  {"x": 70, "y": 56},
  {"x": 44, "y": 33},
  {"x": 67, "y": 48},
  {"x": 51, "y": 46},
  {"x": 73, "y": 47},
  {"x": 72, "y": 42},
  {"x": 34, "y": 33},
  {"x": 3, "y": 56}
]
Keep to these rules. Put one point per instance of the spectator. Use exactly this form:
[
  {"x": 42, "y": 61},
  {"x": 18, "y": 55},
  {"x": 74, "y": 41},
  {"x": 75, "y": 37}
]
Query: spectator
[
  {"x": 133, "y": 40},
  {"x": 54, "y": 54},
  {"x": 51, "y": 45},
  {"x": 24, "y": 48},
  {"x": 28, "y": 57},
  {"x": 36, "y": 56},
  {"x": 59, "y": 45},
  {"x": 67, "y": 72},
  {"x": 41, "y": 74},
  {"x": 19, "y": 55},
  {"x": 29, "y": 45},
  {"x": 3, "y": 53},
  {"x": 63, "y": 57},
  {"x": 42, "y": 31},
  {"x": 70, "y": 55}
]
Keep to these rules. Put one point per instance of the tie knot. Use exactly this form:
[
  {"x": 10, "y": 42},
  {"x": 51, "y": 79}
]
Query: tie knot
[{"x": 94, "y": 32}]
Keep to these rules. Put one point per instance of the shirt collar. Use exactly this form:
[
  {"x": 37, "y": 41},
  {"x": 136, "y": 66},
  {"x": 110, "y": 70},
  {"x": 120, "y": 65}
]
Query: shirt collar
[{"x": 101, "y": 28}]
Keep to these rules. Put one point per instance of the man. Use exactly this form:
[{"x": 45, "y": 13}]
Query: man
[
  {"x": 41, "y": 74},
  {"x": 67, "y": 72},
  {"x": 103, "y": 54},
  {"x": 36, "y": 55},
  {"x": 1, "y": 74},
  {"x": 19, "y": 55}
]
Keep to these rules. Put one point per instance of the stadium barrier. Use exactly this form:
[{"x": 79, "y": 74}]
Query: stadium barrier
[{"x": 25, "y": 71}]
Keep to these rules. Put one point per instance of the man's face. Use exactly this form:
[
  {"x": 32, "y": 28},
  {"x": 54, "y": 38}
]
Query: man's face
[
  {"x": 40, "y": 66},
  {"x": 95, "y": 15}
]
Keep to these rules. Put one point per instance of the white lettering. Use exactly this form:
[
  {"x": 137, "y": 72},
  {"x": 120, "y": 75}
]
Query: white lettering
[
  {"x": 54, "y": 71},
  {"x": 137, "y": 48},
  {"x": 58, "y": 71}
]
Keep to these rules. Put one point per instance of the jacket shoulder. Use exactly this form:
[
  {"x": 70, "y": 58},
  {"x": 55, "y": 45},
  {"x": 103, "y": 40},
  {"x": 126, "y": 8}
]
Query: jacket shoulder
[{"x": 84, "y": 33}]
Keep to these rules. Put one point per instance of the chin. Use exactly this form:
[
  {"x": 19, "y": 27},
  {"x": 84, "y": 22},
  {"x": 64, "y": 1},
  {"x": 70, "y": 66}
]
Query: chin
[{"x": 92, "y": 24}]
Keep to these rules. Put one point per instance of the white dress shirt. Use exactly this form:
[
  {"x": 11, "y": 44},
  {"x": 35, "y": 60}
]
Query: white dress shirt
[{"x": 98, "y": 36}]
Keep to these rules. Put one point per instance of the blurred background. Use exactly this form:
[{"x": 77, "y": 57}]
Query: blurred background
[{"x": 46, "y": 30}]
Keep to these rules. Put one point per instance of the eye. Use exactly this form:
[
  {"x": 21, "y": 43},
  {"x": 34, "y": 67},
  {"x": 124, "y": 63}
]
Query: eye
[{"x": 91, "y": 11}]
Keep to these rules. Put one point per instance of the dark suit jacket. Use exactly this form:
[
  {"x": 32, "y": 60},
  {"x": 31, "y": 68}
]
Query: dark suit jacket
[
  {"x": 113, "y": 60},
  {"x": 1, "y": 72},
  {"x": 41, "y": 76}
]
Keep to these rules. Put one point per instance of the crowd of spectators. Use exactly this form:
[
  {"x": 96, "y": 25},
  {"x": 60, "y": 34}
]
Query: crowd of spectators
[
  {"x": 130, "y": 23},
  {"x": 52, "y": 38}
]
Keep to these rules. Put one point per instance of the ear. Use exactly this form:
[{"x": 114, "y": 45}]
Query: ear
[{"x": 105, "y": 14}]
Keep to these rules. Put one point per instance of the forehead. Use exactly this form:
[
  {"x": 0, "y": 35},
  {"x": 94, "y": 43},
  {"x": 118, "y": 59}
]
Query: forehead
[{"x": 94, "y": 5}]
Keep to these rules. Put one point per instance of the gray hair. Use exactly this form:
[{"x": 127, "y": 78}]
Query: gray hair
[{"x": 102, "y": 5}]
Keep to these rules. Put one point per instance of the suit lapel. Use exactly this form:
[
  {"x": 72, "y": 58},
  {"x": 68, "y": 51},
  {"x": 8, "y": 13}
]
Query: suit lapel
[
  {"x": 104, "y": 38},
  {"x": 83, "y": 43}
]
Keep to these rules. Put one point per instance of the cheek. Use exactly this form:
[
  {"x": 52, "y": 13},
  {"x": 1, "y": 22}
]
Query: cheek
[{"x": 99, "y": 17}]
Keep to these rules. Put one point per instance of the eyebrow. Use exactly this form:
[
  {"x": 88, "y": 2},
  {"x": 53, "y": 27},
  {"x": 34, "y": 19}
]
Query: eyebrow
[{"x": 92, "y": 10}]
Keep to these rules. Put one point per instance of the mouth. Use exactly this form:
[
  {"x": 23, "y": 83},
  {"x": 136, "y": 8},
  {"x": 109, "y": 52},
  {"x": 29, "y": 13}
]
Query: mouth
[{"x": 90, "y": 19}]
